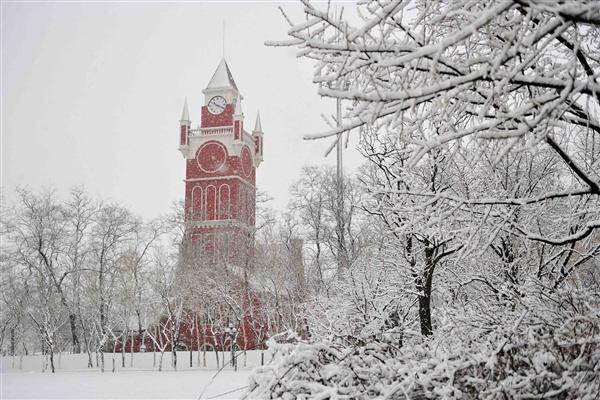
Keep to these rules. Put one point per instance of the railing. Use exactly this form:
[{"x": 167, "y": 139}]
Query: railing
[{"x": 219, "y": 130}]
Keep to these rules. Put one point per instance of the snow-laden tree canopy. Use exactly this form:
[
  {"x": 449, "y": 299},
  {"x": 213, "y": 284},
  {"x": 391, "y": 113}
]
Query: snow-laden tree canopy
[{"x": 522, "y": 75}]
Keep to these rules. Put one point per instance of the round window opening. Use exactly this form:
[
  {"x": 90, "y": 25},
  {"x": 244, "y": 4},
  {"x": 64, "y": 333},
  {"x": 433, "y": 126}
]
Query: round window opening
[{"x": 211, "y": 157}]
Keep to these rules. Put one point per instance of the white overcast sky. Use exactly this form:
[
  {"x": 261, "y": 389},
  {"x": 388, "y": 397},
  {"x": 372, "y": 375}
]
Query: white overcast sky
[{"x": 92, "y": 94}]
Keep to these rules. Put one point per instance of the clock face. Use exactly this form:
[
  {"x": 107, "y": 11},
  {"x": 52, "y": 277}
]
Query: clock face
[
  {"x": 211, "y": 157},
  {"x": 216, "y": 105},
  {"x": 246, "y": 161}
]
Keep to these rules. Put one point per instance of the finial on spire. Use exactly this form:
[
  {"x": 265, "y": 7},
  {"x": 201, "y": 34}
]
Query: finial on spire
[
  {"x": 185, "y": 115},
  {"x": 257, "y": 126}
]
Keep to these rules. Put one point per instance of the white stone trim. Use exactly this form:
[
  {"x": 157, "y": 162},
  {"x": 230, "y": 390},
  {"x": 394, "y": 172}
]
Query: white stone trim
[
  {"x": 234, "y": 147},
  {"x": 221, "y": 177},
  {"x": 218, "y": 224}
]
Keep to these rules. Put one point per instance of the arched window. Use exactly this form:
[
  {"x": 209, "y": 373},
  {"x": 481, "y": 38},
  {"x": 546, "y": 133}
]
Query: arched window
[
  {"x": 224, "y": 201},
  {"x": 197, "y": 204},
  {"x": 211, "y": 203}
]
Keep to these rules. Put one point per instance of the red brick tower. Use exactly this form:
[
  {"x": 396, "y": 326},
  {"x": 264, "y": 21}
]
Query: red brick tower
[{"x": 220, "y": 180}]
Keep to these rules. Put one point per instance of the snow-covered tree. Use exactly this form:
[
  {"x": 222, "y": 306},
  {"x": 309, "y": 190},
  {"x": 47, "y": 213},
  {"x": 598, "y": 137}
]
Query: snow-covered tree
[
  {"x": 110, "y": 236},
  {"x": 498, "y": 78},
  {"x": 479, "y": 121},
  {"x": 314, "y": 210}
]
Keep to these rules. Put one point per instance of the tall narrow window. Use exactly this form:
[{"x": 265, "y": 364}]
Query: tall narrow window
[
  {"x": 224, "y": 201},
  {"x": 211, "y": 203},
  {"x": 197, "y": 204}
]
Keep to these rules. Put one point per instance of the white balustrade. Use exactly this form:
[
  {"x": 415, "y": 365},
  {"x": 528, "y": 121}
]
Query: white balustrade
[{"x": 219, "y": 130}]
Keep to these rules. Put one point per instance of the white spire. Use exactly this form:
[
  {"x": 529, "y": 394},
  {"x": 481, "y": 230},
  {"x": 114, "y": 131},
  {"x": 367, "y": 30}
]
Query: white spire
[
  {"x": 238, "y": 106},
  {"x": 185, "y": 115},
  {"x": 222, "y": 77},
  {"x": 257, "y": 127}
]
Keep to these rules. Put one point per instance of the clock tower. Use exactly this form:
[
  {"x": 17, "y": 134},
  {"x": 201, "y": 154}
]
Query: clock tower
[{"x": 220, "y": 180}]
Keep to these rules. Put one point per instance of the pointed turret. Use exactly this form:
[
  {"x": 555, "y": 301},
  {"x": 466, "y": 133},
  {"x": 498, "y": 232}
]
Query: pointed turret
[
  {"x": 257, "y": 126},
  {"x": 257, "y": 135},
  {"x": 185, "y": 114}
]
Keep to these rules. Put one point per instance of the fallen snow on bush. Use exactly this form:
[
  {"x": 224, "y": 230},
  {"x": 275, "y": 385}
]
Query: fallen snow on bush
[{"x": 526, "y": 362}]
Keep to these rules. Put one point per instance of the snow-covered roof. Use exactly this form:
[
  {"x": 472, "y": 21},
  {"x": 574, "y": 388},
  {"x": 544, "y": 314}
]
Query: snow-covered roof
[{"x": 222, "y": 77}]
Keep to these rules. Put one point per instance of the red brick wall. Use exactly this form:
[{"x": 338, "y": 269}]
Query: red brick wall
[
  {"x": 183, "y": 135},
  {"x": 237, "y": 129},
  {"x": 224, "y": 119}
]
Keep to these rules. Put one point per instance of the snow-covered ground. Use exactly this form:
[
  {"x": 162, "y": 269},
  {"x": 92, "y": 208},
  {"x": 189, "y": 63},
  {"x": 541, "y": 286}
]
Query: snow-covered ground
[
  {"x": 122, "y": 385},
  {"x": 22, "y": 377}
]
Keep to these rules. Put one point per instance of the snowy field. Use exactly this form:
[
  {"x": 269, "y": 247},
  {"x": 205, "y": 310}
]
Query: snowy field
[{"x": 24, "y": 378}]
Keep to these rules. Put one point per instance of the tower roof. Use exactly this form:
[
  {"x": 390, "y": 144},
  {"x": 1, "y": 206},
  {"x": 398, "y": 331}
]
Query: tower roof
[
  {"x": 222, "y": 77},
  {"x": 185, "y": 115}
]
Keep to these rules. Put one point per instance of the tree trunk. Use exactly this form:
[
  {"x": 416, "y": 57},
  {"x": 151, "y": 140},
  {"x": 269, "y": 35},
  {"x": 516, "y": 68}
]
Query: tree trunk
[
  {"x": 89, "y": 354},
  {"x": 223, "y": 350},
  {"x": 131, "y": 350},
  {"x": 162, "y": 354},
  {"x": 12, "y": 341},
  {"x": 174, "y": 352},
  {"x": 74, "y": 338},
  {"x": 52, "y": 359},
  {"x": 123, "y": 344},
  {"x": 198, "y": 343},
  {"x": 87, "y": 341},
  {"x": 424, "y": 287},
  {"x": 425, "y": 315}
]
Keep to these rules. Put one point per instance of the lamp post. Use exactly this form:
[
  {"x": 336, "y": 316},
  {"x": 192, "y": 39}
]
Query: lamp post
[{"x": 230, "y": 331}]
